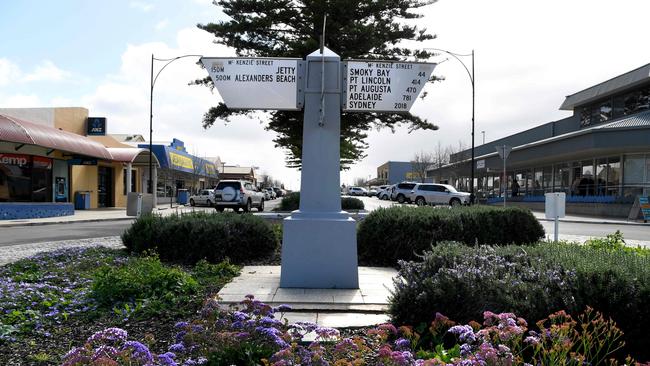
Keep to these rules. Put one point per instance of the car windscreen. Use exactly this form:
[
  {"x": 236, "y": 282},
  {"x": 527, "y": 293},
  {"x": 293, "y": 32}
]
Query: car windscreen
[
  {"x": 451, "y": 188},
  {"x": 223, "y": 185}
]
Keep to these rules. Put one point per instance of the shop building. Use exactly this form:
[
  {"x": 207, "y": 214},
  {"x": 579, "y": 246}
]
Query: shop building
[
  {"x": 180, "y": 170},
  {"x": 393, "y": 172},
  {"x": 48, "y": 155},
  {"x": 599, "y": 156}
]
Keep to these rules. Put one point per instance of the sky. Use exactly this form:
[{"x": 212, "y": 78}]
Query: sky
[{"x": 528, "y": 56}]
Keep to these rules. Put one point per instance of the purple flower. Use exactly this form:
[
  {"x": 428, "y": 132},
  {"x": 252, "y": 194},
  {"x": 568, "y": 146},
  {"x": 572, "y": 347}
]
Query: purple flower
[
  {"x": 239, "y": 316},
  {"x": 402, "y": 344},
  {"x": 324, "y": 332},
  {"x": 108, "y": 335},
  {"x": 177, "y": 348},
  {"x": 181, "y": 325},
  {"x": 283, "y": 308},
  {"x": 465, "y": 333},
  {"x": 139, "y": 351},
  {"x": 167, "y": 359}
]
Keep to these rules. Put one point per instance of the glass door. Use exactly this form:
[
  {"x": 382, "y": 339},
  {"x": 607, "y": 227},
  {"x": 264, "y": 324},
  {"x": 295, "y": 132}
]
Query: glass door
[{"x": 104, "y": 186}]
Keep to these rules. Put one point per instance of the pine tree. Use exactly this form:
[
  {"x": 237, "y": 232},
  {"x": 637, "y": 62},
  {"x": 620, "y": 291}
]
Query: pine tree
[{"x": 357, "y": 29}]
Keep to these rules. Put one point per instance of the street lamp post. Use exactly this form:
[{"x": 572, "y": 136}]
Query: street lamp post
[
  {"x": 471, "y": 79},
  {"x": 151, "y": 84}
]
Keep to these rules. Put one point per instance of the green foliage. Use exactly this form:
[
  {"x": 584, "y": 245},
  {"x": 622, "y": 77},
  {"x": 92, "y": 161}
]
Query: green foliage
[
  {"x": 354, "y": 29},
  {"x": 144, "y": 281},
  {"x": 291, "y": 202},
  {"x": 615, "y": 242},
  {"x": 463, "y": 281},
  {"x": 390, "y": 234},
  {"x": 191, "y": 237}
]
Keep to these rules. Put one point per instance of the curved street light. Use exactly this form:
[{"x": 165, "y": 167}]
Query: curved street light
[
  {"x": 152, "y": 83},
  {"x": 471, "y": 79}
]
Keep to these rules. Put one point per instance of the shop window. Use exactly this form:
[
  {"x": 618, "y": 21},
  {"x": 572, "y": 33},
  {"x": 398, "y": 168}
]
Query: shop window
[
  {"x": 24, "y": 178},
  {"x": 613, "y": 176},
  {"x": 561, "y": 181},
  {"x": 601, "y": 177},
  {"x": 547, "y": 179}
]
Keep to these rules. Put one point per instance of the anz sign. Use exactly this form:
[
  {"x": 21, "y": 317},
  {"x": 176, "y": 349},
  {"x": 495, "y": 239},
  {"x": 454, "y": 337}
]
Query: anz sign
[{"x": 96, "y": 126}]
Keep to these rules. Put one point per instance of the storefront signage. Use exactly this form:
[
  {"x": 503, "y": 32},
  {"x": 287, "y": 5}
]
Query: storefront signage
[
  {"x": 15, "y": 159},
  {"x": 180, "y": 161},
  {"x": 644, "y": 202},
  {"x": 96, "y": 126},
  {"x": 480, "y": 164},
  {"x": 256, "y": 83},
  {"x": 210, "y": 169},
  {"x": 383, "y": 86}
]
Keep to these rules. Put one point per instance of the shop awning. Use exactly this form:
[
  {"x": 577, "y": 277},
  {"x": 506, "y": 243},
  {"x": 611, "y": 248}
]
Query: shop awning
[
  {"x": 22, "y": 132},
  {"x": 132, "y": 155}
]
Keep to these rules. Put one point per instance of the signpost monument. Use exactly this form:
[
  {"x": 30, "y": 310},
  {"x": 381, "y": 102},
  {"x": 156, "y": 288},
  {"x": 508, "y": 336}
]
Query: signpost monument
[{"x": 319, "y": 247}]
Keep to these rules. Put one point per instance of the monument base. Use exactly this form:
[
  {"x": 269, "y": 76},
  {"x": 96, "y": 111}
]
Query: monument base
[{"x": 319, "y": 251}]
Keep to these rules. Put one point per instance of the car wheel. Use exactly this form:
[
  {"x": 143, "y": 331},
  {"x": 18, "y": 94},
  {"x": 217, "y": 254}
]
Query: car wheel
[
  {"x": 247, "y": 208},
  {"x": 261, "y": 208},
  {"x": 420, "y": 201},
  {"x": 401, "y": 198},
  {"x": 209, "y": 203},
  {"x": 191, "y": 202},
  {"x": 455, "y": 202},
  {"x": 219, "y": 209}
]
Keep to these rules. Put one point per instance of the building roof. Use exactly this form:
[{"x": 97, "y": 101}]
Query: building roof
[
  {"x": 132, "y": 155},
  {"x": 625, "y": 81},
  {"x": 24, "y": 132}
]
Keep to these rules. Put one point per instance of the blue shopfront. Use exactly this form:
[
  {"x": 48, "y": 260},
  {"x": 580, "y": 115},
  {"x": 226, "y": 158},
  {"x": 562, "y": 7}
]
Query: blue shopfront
[{"x": 181, "y": 170}]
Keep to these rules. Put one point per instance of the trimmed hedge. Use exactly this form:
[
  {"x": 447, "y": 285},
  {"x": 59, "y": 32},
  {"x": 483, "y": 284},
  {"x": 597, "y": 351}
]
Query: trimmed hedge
[
  {"x": 291, "y": 202},
  {"x": 531, "y": 281},
  {"x": 403, "y": 232},
  {"x": 189, "y": 238}
]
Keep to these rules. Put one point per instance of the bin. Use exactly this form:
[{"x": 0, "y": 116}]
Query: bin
[
  {"x": 82, "y": 200},
  {"x": 183, "y": 196}
]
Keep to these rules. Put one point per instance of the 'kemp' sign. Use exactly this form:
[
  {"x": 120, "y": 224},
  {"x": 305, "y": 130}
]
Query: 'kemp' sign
[{"x": 96, "y": 126}]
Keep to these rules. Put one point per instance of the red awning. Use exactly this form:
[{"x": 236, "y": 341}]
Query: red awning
[{"x": 23, "y": 132}]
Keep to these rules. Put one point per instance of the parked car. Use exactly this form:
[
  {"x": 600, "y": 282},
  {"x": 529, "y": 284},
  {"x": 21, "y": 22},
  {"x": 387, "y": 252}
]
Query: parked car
[
  {"x": 383, "y": 193},
  {"x": 272, "y": 193},
  {"x": 372, "y": 191},
  {"x": 202, "y": 197},
  {"x": 267, "y": 195},
  {"x": 357, "y": 191},
  {"x": 238, "y": 194},
  {"x": 401, "y": 192},
  {"x": 437, "y": 194},
  {"x": 278, "y": 191}
]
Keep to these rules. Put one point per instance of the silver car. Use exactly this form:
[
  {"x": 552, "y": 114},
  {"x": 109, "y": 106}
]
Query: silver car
[
  {"x": 401, "y": 192},
  {"x": 437, "y": 194},
  {"x": 203, "y": 197},
  {"x": 237, "y": 194}
]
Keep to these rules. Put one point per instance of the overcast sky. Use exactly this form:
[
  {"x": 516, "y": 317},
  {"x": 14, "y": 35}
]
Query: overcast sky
[{"x": 529, "y": 55}]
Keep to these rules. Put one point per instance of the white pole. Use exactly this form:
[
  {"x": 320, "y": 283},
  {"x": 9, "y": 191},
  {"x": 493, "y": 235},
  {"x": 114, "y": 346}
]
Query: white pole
[{"x": 557, "y": 224}]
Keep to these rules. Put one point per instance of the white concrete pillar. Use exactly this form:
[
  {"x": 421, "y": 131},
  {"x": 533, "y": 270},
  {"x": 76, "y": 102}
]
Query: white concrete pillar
[
  {"x": 129, "y": 166},
  {"x": 319, "y": 247}
]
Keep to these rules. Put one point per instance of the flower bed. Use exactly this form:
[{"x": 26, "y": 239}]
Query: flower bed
[
  {"x": 57, "y": 298},
  {"x": 256, "y": 335}
]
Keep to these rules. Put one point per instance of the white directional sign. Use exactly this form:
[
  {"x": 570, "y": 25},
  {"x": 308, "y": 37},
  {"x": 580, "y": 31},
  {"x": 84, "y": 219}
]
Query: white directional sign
[
  {"x": 383, "y": 86},
  {"x": 256, "y": 83}
]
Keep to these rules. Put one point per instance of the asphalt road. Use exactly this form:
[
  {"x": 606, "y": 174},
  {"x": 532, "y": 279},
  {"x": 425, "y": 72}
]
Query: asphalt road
[{"x": 43, "y": 233}]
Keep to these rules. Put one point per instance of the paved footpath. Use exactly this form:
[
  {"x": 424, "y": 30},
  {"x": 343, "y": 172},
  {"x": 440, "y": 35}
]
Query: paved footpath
[{"x": 13, "y": 253}]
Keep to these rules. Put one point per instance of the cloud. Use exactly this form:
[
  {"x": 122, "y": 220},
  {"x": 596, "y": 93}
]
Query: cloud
[
  {"x": 141, "y": 5},
  {"x": 47, "y": 71},
  {"x": 9, "y": 71},
  {"x": 161, "y": 24}
]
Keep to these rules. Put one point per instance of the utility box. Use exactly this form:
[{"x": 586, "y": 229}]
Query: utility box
[
  {"x": 183, "y": 196},
  {"x": 555, "y": 205},
  {"x": 138, "y": 203},
  {"x": 82, "y": 200}
]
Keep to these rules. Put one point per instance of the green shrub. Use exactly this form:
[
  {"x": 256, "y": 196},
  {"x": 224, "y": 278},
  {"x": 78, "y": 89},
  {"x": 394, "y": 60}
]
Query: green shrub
[
  {"x": 390, "y": 234},
  {"x": 145, "y": 282},
  {"x": 191, "y": 237},
  {"x": 532, "y": 281},
  {"x": 291, "y": 202}
]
